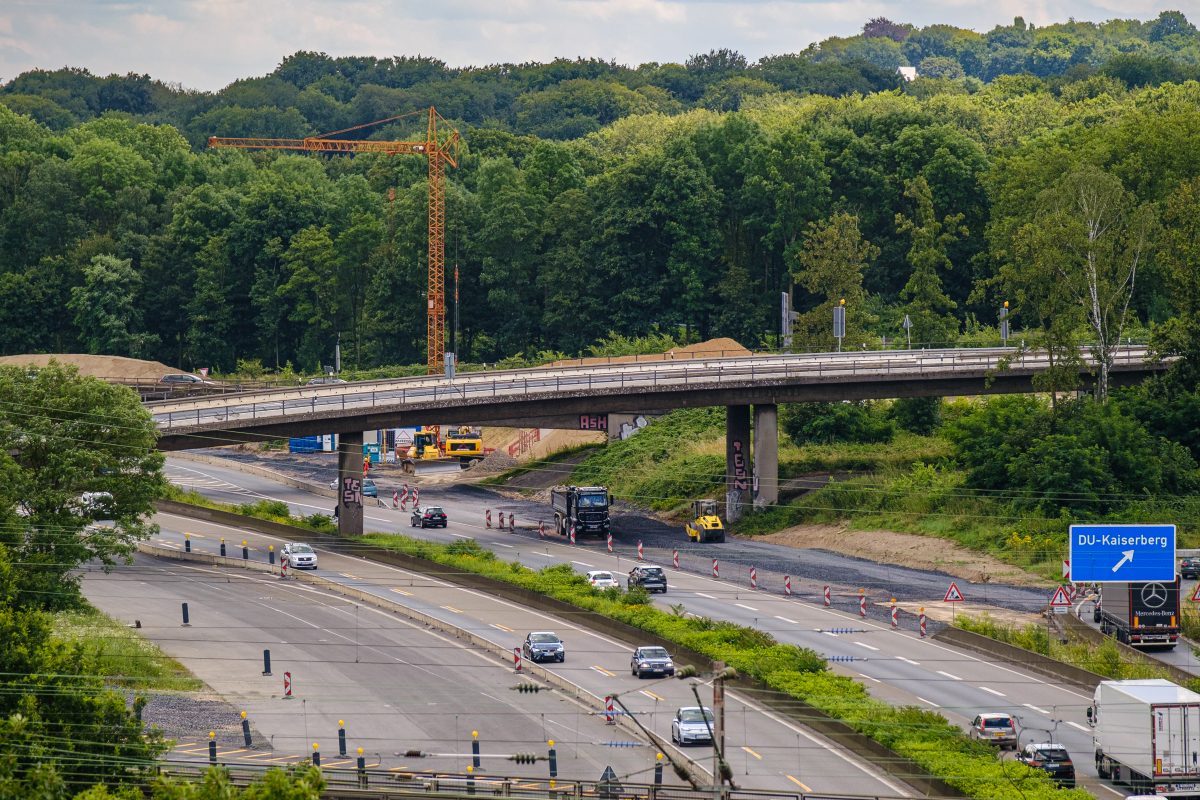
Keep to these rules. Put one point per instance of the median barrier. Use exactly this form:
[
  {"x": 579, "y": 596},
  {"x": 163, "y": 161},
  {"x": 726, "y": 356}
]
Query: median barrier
[
  {"x": 1019, "y": 657},
  {"x": 794, "y": 709}
]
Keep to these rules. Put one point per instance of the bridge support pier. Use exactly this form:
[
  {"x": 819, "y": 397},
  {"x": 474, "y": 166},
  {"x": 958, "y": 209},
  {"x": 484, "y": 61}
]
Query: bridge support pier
[
  {"x": 349, "y": 486},
  {"x": 766, "y": 455},
  {"x": 737, "y": 460}
]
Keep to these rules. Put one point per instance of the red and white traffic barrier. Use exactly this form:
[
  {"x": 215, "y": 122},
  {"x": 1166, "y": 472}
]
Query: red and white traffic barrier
[
  {"x": 516, "y": 659},
  {"x": 283, "y": 564},
  {"x": 675, "y": 558},
  {"x": 921, "y": 619},
  {"x": 753, "y": 578},
  {"x": 287, "y": 685},
  {"x": 404, "y": 497},
  {"x": 610, "y": 712},
  {"x": 895, "y": 615},
  {"x": 828, "y": 599},
  {"x": 487, "y": 518},
  {"x": 787, "y": 585},
  {"x": 716, "y": 569},
  {"x": 395, "y": 498},
  {"x": 639, "y": 549},
  {"x": 512, "y": 522},
  {"x": 572, "y": 533},
  {"x": 862, "y": 606},
  {"x": 416, "y": 495},
  {"x": 610, "y": 543},
  {"x": 541, "y": 529}
]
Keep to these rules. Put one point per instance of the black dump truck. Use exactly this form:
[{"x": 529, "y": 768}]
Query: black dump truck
[
  {"x": 584, "y": 507},
  {"x": 1140, "y": 614}
]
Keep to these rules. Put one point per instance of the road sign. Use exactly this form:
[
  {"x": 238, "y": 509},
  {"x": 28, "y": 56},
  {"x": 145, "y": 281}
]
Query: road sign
[
  {"x": 1122, "y": 553},
  {"x": 1060, "y": 599},
  {"x": 1196, "y": 594},
  {"x": 1066, "y": 568},
  {"x": 953, "y": 595}
]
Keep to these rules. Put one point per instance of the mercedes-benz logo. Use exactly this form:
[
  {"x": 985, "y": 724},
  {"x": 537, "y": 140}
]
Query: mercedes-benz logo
[{"x": 1154, "y": 595}]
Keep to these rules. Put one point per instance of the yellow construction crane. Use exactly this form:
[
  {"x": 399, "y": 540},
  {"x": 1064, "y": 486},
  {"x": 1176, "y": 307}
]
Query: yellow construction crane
[{"x": 440, "y": 149}]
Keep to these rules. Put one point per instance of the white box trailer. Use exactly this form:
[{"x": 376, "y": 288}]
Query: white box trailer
[{"x": 1146, "y": 733}]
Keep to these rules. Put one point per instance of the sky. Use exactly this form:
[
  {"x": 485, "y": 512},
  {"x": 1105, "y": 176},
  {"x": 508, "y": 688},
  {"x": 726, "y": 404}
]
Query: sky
[{"x": 207, "y": 44}]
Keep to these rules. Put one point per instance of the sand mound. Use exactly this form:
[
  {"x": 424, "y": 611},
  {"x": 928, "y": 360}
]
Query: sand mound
[
  {"x": 107, "y": 367},
  {"x": 713, "y": 348}
]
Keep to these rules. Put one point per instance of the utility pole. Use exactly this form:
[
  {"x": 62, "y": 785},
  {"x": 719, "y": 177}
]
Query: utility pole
[{"x": 718, "y": 728}]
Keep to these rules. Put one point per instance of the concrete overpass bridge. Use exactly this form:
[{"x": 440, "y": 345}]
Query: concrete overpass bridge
[{"x": 583, "y": 397}]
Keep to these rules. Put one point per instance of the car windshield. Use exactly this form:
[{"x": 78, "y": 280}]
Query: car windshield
[
  {"x": 602, "y": 576},
  {"x": 593, "y": 500},
  {"x": 301, "y": 548},
  {"x": 434, "y": 510},
  {"x": 543, "y": 638},
  {"x": 1057, "y": 755},
  {"x": 694, "y": 715},
  {"x": 998, "y": 722},
  {"x": 654, "y": 652},
  {"x": 653, "y": 572}
]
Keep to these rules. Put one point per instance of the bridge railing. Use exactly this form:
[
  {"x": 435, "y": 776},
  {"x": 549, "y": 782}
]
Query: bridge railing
[{"x": 530, "y": 384}]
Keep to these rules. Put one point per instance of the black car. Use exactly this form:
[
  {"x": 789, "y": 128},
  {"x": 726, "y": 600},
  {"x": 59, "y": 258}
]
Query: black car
[
  {"x": 1053, "y": 759},
  {"x": 650, "y": 578},
  {"x": 544, "y": 646},
  {"x": 1189, "y": 567},
  {"x": 432, "y": 517}
]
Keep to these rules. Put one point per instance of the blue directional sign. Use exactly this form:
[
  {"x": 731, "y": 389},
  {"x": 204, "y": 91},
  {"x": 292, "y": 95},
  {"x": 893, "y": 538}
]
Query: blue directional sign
[{"x": 1121, "y": 553}]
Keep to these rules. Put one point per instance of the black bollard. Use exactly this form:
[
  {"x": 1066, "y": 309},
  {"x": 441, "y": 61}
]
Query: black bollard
[
  {"x": 470, "y": 780},
  {"x": 342, "y": 738},
  {"x": 553, "y": 760},
  {"x": 187, "y": 543},
  {"x": 271, "y": 555},
  {"x": 245, "y": 551},
  {"x": 212, "y": 747},
  {"x": 658, "y": 770},
  {"x": 362, "y": 770},
  {"x": 266, "y": 662},
  {"x": 316, "y": 756},
  {"x": 185, "y": 615},
  {"x": 222, "y": 546},
  {"x": 475, "y": 748},
  {"x": 246, "y": 729}
]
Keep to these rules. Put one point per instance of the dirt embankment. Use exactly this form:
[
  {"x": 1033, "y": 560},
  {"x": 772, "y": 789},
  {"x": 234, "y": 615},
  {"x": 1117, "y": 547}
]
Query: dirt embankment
[
  {"x": 110, "y": 367},
  {"x": 906, "y": 550}
]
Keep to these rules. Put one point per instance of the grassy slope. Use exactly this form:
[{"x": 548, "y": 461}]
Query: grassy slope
[{"x": 124, "y": 657}]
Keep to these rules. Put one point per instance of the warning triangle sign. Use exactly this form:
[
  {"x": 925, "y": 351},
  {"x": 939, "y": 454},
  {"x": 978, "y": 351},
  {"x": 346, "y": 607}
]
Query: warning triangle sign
[
  {"x": 953, "y": 595},
  {"x": 1060, "y": 599},
  {"x": 1196, "y": 594}
]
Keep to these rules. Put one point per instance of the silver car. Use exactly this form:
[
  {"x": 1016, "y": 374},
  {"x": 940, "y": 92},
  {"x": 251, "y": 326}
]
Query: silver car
[
  {"x": 544, "y": 646},
  {"x": 995, "y": 728},
  {"x": 651, "y": 661},
  {"x": 300, "y": 555},
  {"x": 692, "y": 725}
]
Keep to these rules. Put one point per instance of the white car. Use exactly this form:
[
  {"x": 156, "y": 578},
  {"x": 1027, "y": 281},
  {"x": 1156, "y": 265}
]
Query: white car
[
  {"x": 300, "y": 555},
  {"x": 601, "y": 579},
  {"x": 692, "y": 725}
]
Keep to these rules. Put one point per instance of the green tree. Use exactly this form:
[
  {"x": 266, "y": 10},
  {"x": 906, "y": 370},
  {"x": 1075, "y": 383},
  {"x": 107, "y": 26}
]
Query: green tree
[
  {"x": 828, "y": 423},
  {"x": 104, "y": 310},
  {"x": 310, "y": 293},
  {"x": 830, "y": 264},
  {"x": 928, "y": 306},
  {"x": 1180, "y": 259},
  {"x": 919, "y": 415}
]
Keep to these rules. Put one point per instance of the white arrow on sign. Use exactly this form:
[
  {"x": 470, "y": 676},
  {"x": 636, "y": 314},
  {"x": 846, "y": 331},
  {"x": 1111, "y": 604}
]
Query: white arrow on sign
[{"x": 1126, "y": 555}]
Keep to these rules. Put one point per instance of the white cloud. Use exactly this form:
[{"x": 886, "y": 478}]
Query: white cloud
[{"x": 207, "y": 44}]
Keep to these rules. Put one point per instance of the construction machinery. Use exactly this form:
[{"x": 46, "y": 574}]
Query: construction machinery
[
  {"x": 464, "y": 445},
  {"x": 705, "y": 525},
  {"x": 440, "y": 149}
]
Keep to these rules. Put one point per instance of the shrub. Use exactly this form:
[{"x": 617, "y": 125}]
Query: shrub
[{"x": 826, "y": 423}]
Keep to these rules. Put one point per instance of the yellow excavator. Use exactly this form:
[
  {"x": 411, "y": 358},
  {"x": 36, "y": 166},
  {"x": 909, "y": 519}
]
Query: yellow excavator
[
  {"x": 705, "y": 525},
  {"x": 464, "y": 444}
]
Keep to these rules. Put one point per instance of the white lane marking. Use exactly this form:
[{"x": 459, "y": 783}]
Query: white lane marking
[
  {"x": 948, "y": 675},
  {"x": 543, "y": 555},
  {"x": 748, "y": 608},
  {"x": 1035, "y": 708},
  {"x": 909, "y": 661},
  {"x": 785, "y": 619},
  {"x": 1117, "y": 792},
  {"x": 992, "y": 691},
  {"x": 502, "y": 544},
  {"x": 460, "y": 535},
  {"x": 1080, "y": 727},
  {"x": 927, "y": 702},
  {"x": 869, "y": 647},
  {"x": 581, "y": 564},
  {"x": 868, "y": 677},
  {"x": 830, "y": 633},
  {"x": 702, "y": 594}
]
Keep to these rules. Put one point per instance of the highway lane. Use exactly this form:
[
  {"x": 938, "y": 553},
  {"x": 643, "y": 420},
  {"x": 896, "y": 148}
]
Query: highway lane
[
  {"x": 765, "y": 751},
  {"x": 398, "y": 685},
  {"x": 896, "y": 666}
]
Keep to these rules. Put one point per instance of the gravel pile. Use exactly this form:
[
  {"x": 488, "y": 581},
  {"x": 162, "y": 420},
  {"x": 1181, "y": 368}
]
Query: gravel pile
[{"x": 191, "y": 715}]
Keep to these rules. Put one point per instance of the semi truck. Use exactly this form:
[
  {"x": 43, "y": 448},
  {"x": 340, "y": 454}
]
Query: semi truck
[
  {"x": 1140, "y": 614},
  {"x": 584, "y": 508},
  {"x": 1146, "y": 734}
]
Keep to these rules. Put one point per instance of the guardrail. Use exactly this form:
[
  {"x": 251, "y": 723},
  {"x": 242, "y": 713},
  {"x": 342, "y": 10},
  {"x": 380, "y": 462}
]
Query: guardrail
[
  {"x": 369, "y": 783},
  {"x": 568, "y": 382}
]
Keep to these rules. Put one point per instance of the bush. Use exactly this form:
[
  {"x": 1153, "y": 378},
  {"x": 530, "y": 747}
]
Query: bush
[
  {"x": 826, "y": 423},
  {"x": 919, "y": 415}
]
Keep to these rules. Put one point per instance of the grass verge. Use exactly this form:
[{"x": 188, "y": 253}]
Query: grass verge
[{"x": 122, "y": 655}]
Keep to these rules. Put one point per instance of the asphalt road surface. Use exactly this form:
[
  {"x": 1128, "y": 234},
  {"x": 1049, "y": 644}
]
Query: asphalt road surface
[
  {"x": 895, "y": 665},
  {"x": 398, "y": 686}
]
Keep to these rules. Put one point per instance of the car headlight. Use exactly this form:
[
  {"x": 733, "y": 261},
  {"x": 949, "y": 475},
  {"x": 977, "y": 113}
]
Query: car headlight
[{"x": 644, "y": 664}]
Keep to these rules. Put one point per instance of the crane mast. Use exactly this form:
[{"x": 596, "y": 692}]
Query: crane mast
[{"x": 438, "y": 152}]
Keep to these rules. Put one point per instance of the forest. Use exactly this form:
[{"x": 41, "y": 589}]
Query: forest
[{"x": 665, "y": 200}]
